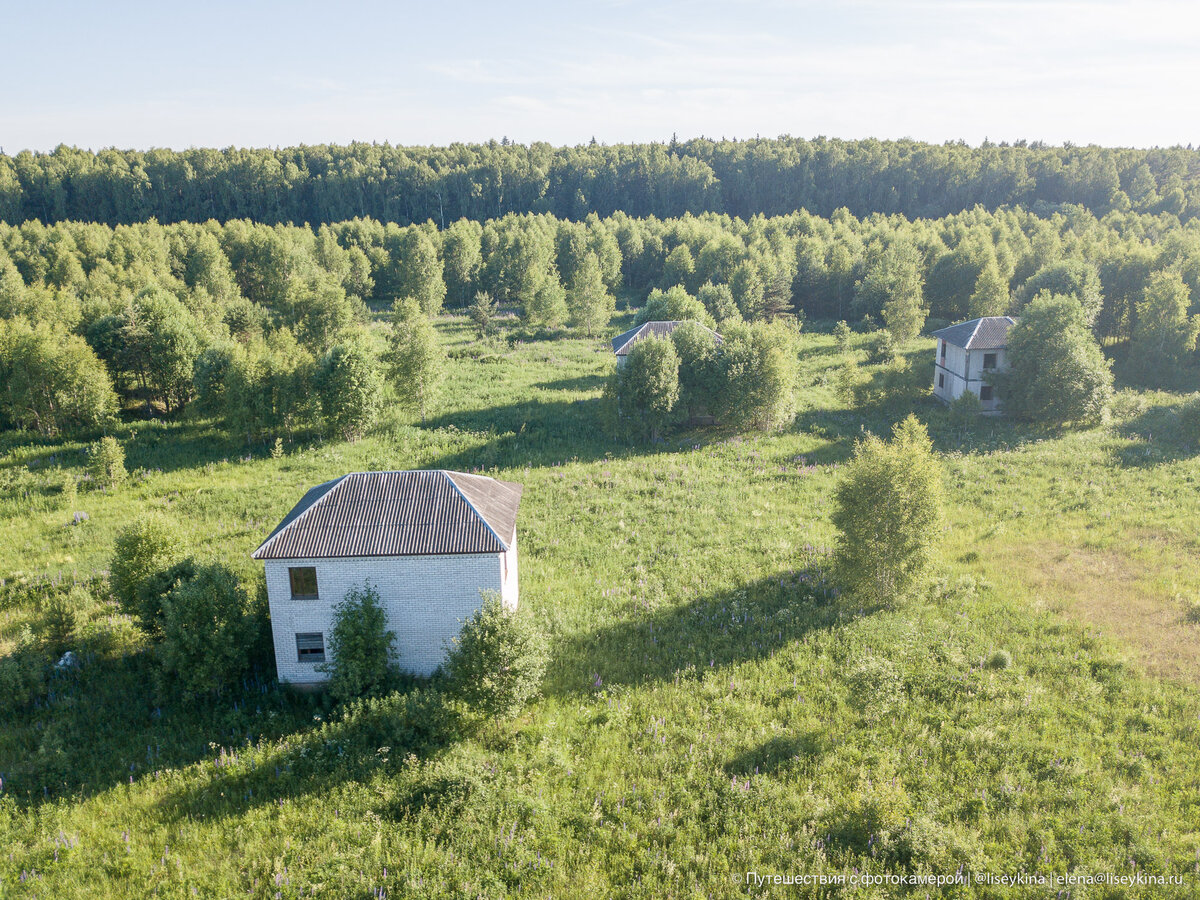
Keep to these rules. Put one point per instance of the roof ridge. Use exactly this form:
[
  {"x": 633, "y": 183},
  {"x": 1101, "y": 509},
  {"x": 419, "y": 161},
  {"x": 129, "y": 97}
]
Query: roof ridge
[
  {"x": 337, "y": 482},
  {"x": 482, "y": 518},
  {"x": 974, "y": 331},
  {"x": 633, "y": 335}
]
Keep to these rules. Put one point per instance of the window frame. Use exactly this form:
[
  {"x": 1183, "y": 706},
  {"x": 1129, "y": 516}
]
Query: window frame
[
  {"x": 941, "y": 379},
  {"x": 292, "y": 570},
  {"x": 310, "y": 653},
  {"x": 989, "y": 397},
  {"x": 995, "y": 361}
]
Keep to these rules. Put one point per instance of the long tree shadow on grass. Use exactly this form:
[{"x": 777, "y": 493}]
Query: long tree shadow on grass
[
  {"x": 729, "y": 627},
  {"x": 373, "y": 738},
  {"x": 541, "y": 432},
  {"x": 840, "y": 428},
  {"x": 579, "y": 383},
  {"x": 1154, "y": 437}
]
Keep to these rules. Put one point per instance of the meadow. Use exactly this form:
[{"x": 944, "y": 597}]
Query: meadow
[{"x": 712, "y": 705}]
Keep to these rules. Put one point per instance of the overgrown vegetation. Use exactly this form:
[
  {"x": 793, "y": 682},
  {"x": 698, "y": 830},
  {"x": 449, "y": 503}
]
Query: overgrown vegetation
[
  {"x": 704, "y": 687},
  {"x": 498, "y": 660},
  {"x": 361, "y": 648},
  {"x": 695, "y": 684}
]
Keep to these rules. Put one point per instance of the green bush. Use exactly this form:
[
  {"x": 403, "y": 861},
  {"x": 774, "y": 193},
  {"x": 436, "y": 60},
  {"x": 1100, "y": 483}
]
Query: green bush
[
  {"x": 880, "y": 347},
  {"x": 966, "y": 408},
  {"x": 889, "y": 512},
  {"x": 106, "y": 462},
  {"x": 841, "y": 334},
  {"x": 641, "y": 396},
  {"x": 498, "y": 660},
  {"x": 142, "y": 551},
  {"x": 22, "y": 678},
  {"x": 208, "y": 629},
  {"x": 361, "y": 649},
  {"x": 57, "y": 627},
  {"x": 1001, "y": 659}
]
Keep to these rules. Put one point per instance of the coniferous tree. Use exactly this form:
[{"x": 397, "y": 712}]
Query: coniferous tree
[{"x": 483, "y": 312}]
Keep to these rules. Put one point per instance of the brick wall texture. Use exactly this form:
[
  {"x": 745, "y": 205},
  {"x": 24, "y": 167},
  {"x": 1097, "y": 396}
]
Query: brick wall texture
[{"x": 426, "y": 599}]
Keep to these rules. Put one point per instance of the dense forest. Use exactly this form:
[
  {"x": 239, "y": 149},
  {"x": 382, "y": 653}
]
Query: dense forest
[
  {"x": 325, "y": 184},
  {"x": 241, "y": 318}
]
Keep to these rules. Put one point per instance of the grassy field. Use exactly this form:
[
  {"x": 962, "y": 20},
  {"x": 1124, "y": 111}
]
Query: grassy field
[{"x": 711, "y": 706}]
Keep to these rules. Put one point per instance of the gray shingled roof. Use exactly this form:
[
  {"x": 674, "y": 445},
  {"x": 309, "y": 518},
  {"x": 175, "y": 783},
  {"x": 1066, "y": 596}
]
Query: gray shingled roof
[
  {"x": 623, "y": 343},
  {"x": 987, "y": 333},
  {"x": 422, "y": 512}
]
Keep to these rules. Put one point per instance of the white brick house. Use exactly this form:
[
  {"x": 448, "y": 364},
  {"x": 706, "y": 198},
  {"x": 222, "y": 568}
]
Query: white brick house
[
  {"x": 966, "y": 354},
  {"x": 429, "y": 541}
]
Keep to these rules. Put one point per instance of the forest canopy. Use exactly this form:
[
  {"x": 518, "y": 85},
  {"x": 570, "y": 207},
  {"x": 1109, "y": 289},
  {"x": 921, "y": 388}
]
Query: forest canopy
[{"x": 330, "y": 183}]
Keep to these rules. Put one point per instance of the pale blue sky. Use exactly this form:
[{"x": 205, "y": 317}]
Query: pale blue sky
[{"x": 276, "y": 74}]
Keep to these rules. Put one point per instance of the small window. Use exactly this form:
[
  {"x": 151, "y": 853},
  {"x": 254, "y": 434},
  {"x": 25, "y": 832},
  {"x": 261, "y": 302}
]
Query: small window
[
  {"x": 985, "y": 393},
  {"x": 310, "y": 647},
  {"x": 943, "y": 349},
  {"x": 304, "y": 582},
  {"x": 941, "y": 379},
  {"x": 989, "y": 361}
]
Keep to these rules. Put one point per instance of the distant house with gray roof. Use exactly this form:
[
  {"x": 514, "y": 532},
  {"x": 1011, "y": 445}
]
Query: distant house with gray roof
[
  {"x": 428, "y": 540},
  {"x": 623, "y": 343},
  {"x": 966, "y": 354}
]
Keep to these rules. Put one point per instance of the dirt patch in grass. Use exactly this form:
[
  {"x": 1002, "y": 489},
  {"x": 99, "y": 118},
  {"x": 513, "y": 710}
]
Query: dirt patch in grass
[{"x": 1109, "y": 590}]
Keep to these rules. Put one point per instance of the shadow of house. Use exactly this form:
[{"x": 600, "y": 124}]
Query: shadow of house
[{"x": 368, "y": 738}]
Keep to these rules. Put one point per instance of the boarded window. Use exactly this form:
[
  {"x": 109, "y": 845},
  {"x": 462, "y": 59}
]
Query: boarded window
[
  {"x": 985, "y": 393},
  {"x": 989, "y": 360},
  {"x": 304, "y": 582},
  {"x": 310, "y": 647},
  {"x": 941, "y": 380}
]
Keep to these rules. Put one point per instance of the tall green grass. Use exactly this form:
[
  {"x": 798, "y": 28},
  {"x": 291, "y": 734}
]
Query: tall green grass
[{"x": 712, "y": 705}]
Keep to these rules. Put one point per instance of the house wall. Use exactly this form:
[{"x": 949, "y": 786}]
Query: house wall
[
  {"x": 425, "y": 598},
  {"x": 508, "y": 571},
  {"x": 963, "y": 370}
]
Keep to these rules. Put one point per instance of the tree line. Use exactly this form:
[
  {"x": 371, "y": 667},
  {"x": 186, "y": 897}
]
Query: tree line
[
  {"x": 266, "y": 326},
  {"x": 323, "y": 184}
]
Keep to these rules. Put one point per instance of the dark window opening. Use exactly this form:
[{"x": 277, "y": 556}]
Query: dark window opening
[
  {"x": 989, "y": 361},
  {"x": 985, "y": 393},
  {"x": 304, "y": 582},
  {"x": 943, "y": 349},
  {"x": 310, "y": 647},
  {"x": 941, "y": 380}
]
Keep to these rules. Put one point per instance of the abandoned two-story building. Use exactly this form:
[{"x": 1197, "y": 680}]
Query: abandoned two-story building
[
  {"x": 430, "y": 542},
  {"x": 965, "y": 356}
]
